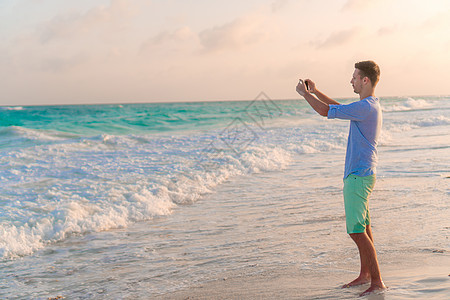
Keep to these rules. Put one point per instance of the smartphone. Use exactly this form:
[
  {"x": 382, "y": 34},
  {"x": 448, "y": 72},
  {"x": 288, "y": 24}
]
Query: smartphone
[{"x": 306, "y": 84}]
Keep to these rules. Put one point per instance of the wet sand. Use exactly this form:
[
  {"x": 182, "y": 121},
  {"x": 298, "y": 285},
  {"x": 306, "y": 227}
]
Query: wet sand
[{"x": 411, "y": 277}]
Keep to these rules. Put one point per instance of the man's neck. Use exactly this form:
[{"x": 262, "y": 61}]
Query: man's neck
[{"x": 364, "y": 95}]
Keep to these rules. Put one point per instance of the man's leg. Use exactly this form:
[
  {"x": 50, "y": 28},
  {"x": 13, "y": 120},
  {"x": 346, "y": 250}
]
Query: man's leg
[
  {"x": 364, "y": 274},
  {"x": 370, "y": 271},
  {"x": 369, "y": 233},
  {"x": 356, "y": 194}
]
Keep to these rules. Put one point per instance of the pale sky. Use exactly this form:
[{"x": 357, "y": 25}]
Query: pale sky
[{"x": 120, "y": 51}]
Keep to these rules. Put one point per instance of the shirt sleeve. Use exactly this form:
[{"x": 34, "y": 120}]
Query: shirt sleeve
[{"x": 355, "y": 111}]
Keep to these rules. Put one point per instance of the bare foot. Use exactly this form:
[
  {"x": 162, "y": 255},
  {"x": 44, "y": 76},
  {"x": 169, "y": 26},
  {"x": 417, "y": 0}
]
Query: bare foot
[
  {"x": 358, "y": 281},
  {"x": 374, "y": 288}
]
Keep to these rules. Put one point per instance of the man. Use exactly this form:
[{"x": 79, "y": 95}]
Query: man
[{"x": 360, "y": 161}]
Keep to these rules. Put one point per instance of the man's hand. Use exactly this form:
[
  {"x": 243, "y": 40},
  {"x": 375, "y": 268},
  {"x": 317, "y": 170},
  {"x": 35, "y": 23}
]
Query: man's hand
[
  {"x": 301, "y": 88},
  {"x": 320, "y": 107},
  {"x": 311, "y": 86}
]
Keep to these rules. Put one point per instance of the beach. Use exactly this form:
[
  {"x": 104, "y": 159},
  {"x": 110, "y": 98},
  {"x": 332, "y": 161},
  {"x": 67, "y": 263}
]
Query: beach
[
  {"x": 239, "y": 200},
  {"x": 410, "y": 271}
]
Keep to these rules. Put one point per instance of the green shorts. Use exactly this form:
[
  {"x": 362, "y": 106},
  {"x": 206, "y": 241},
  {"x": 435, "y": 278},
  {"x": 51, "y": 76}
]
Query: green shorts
[{"x": 357, "y": 190}]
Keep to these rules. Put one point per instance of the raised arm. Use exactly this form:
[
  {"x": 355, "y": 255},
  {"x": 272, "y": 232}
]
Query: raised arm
[
  {"x": 324, "y": 98},
  {"x": 320, "y": 107}
]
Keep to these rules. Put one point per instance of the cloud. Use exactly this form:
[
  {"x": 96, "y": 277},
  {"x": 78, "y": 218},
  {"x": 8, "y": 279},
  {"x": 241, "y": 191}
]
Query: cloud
[
  {"x": 63, "y": 64},
  {"x": 71, "y": 39},
  {"x": 438, "y": 21},
  {"x": 68, "y": 25},
  {"x": 355, "y": 4},
  {"x": 278, "y": 5},
  {"x": 360, "y": 4},
  {"x": 387, "y": 30},
  {"x": 337, "y": 38},
  {"x": 237, "y": 34},
  {"x": 167, "y": 43},
  {"x": 179, "y": 35}
]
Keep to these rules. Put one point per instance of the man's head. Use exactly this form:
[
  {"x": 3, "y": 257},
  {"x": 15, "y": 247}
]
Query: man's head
[{"x": 365, "y": 77}]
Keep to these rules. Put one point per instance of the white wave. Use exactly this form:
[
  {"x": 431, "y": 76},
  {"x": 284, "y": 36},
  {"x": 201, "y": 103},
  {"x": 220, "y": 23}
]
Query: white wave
[
  {"x": 11, "y": 108},
  {"x": 79, "y": 216},
  {"x": 407, "y": 104},
  {"x": 258, "y": 159},
  {"x": 385, "y": 137},
  {"x": 432, "y": 121},
  {"x": 35, "y": 134},
  {"x": 439, "y": 120},
  {"x": 188, "y": 187},
  {"x": 98, "y": 204},
  {"x": 315, "y": 146},
  {"x": 18, "y": 241}
]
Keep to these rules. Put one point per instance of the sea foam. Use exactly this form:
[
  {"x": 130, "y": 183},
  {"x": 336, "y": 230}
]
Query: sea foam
[
  {"x": 105, "y": 182},
  {"x": 407, "y": 104},
  {"x": 11, "y": 108}
]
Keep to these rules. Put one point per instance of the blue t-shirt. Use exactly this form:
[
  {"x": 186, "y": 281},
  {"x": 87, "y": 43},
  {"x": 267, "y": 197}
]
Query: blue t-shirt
[{"x": 365, "y": 128}]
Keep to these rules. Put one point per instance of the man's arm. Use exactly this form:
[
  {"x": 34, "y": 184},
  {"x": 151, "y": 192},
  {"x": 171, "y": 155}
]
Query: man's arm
[
  {"x": 320, "y": 107},
  {"x": 324, "y": 98}
]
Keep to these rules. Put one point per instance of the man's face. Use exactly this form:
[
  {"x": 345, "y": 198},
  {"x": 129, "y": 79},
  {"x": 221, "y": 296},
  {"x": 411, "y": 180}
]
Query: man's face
[{"x": 357, "y": 82}]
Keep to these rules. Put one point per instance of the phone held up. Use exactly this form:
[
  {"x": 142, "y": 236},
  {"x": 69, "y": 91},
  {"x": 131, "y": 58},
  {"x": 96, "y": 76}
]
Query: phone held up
[{"x": 306, "y": 84}]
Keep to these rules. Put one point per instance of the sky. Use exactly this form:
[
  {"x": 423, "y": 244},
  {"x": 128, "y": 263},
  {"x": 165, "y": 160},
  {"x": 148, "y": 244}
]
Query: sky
[{"x": 121, "y": 51}]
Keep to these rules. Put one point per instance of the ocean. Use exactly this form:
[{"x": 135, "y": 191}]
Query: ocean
[{"x": 142, "y": 200}]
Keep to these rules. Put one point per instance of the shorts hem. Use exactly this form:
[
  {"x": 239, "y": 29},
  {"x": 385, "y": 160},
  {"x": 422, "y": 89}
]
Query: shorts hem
[{"x": 356, "y": 231}]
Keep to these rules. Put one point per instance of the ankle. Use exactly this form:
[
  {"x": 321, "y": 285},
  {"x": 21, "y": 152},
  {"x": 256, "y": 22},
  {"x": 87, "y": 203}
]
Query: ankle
[
  {"x": 377, "y": 284},
  {"x": 364, "y": 275}
]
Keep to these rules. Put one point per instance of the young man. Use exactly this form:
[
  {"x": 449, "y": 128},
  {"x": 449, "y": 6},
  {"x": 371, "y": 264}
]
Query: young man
[{"x": 360, "y": 161}]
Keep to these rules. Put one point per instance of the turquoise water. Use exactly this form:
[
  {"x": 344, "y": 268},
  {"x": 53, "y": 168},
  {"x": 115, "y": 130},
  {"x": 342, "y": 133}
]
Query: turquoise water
[
  {"x": 74, "y": 179},
  {"x": 114, "y": 119},
  {"x": 133, "y": 119},
  {"x": 140, "y": 118}
]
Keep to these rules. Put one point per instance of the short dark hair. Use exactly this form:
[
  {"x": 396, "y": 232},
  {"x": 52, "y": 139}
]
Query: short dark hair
[{"x": 369, "y": 69}]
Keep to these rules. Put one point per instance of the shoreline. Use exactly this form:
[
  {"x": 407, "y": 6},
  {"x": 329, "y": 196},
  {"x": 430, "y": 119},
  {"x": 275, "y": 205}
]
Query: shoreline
[{"x": 413, "y": 276}]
